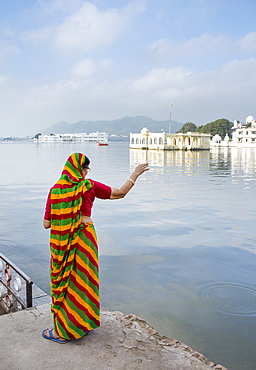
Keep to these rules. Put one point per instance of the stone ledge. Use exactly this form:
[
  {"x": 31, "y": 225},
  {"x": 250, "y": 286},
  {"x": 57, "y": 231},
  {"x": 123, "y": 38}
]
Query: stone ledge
[
  {"x": 146, "y": 331},
  {"x": 123, "y": 342}
]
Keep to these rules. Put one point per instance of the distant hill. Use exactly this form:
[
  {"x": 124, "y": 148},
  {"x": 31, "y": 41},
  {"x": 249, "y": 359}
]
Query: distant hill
[{"x": 119, "y": 127}]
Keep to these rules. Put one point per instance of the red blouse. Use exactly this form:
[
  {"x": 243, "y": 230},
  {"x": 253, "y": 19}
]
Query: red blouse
[{"x": 98, "y": 190}]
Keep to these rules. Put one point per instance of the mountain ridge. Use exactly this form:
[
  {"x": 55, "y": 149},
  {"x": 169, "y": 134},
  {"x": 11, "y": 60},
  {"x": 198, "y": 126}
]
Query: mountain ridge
[{"x": 117, "y": 127}]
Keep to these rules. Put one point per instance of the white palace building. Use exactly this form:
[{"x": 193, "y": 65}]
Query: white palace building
[
  {"x": 167, "y": 141},
  {"x": 79, "y": 137},
  {"x": 244, "y": 135}
]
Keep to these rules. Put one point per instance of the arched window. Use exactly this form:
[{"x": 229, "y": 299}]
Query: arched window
[
  {"x": 137, "y": 141},
  {"x": 174, "y": 142},
  {"x": 150, "y": 140},
  {"x": 155, "y": 140},
  {"x": 160, "y": 141},
  {"x": 132, "y": 141}
]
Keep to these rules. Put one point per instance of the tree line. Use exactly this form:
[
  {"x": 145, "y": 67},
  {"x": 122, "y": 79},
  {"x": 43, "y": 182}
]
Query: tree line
[{"x": 221, "y": 127}]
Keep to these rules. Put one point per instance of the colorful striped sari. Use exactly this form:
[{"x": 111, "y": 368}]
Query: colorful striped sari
[{"x": 74, "y": 256}]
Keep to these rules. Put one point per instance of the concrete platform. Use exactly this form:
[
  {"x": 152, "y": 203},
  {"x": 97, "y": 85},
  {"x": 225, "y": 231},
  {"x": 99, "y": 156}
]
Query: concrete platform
[{"x": 123, "y": 342}]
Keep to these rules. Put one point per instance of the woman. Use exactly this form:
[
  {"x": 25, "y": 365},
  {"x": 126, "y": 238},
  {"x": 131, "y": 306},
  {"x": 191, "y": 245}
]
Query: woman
[{"x": 74, "y": 250}]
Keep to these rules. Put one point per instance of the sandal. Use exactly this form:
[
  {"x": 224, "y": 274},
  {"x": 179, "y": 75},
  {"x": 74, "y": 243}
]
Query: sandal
[
  {"x": 51, "y": 337},
  {"x": 89, "y": 332}
]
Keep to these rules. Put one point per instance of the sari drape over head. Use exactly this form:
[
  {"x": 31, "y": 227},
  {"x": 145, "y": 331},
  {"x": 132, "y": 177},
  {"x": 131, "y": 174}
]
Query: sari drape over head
[{"x": 74, "y": 255}]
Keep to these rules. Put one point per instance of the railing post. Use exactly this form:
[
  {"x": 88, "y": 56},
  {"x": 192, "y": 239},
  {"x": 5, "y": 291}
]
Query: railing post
[{"x": 29, "y": 297}]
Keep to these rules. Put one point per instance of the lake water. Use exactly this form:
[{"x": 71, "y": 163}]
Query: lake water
[{"x": 179, "y": 250}]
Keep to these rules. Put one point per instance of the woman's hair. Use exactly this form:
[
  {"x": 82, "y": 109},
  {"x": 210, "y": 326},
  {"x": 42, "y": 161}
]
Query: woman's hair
[{"x": 86, "y": 162}]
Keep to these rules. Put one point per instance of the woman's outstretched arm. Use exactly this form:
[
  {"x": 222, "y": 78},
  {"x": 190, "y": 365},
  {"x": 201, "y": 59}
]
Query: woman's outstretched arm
[{"x": 121, "y": 193}]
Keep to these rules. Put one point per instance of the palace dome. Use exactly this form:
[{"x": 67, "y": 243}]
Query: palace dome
[{"x": 144, "y": 131}]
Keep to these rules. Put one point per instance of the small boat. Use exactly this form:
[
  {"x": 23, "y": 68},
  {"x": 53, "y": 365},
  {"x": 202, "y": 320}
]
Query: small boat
[{"x": 102, "y": 143}]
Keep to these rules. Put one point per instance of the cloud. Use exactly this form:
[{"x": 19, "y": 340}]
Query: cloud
[
  {"x": 8, "y": 50},
  {"x": 226, "y": 91},
  {"x": 231, "y": 77},
  {"x": 37, "y": 36},
  {"x": 205, "y": 46},
  {"x": 86, "y": 69},
  {"x": 248, "y": 42},
  {"x": 3, "y": 80},
  {"x": 90, "y": 28},
  {"x": 161, "y": 78},
  {"x": 7, "y": 32},
  {"x": 90, "y": 65},
  {"x": 80, "y": 26},
  {"x": 197, "y": 97}
]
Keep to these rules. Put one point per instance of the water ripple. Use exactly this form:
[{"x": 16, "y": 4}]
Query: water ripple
[
  {"x": 232, "y": 299},
  {"x": 6, "y": 243}
]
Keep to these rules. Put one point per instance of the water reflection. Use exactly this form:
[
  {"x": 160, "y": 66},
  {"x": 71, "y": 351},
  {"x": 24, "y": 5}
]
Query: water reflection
[
  {"x": 188, "y": 160},
  {"x": 243, "y": 161},
  {"x": 237, "y": 163},
  {"x": 179, "y": 251},
  {"x": 221, "y": 161}
]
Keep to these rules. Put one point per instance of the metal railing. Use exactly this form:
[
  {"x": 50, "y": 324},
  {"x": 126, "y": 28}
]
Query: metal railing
[{"x": 9, "y": 288}]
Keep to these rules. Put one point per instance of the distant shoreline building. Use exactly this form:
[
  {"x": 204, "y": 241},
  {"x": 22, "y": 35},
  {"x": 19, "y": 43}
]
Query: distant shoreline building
[
  {"x": 167, "y": 141},
  {"x": 243, "y": 135},
  {"x": 78, "y": 137}
]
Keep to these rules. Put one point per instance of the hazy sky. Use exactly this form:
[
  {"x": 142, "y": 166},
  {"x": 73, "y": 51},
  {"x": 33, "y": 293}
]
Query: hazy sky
[{"x": 71, "y": 60}]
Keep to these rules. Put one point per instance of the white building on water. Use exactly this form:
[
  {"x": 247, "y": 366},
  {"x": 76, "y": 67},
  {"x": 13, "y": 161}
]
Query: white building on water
[
  {"x": 244, "y": 135},
  {"x": 166, "y": 141},
  {"x": 79, "y": 137}
]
